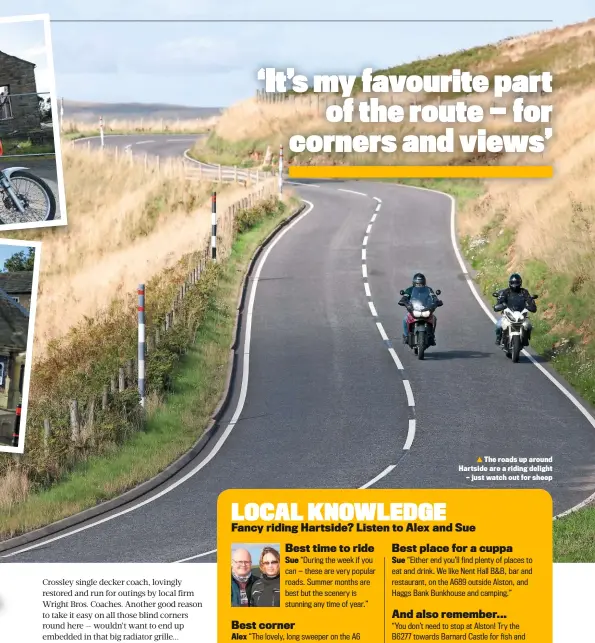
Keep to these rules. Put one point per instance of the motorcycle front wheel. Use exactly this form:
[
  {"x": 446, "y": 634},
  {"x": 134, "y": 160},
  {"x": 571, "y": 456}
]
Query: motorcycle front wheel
[
  {"x": 42, "y": 208},
  {"x": 421, "y": 344},
  {"x": 516, "y": 348}
]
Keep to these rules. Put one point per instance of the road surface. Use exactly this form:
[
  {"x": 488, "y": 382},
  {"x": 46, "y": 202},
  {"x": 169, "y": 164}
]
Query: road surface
[
  {"x": 163, "y": 145},
  {"x": 333, "y": 399}
]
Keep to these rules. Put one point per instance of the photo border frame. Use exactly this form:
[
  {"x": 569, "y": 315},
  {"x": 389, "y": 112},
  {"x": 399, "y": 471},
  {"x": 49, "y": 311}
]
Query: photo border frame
[
  {"x": 63, "y": 220},
  {"x": 30, "y": 338}
]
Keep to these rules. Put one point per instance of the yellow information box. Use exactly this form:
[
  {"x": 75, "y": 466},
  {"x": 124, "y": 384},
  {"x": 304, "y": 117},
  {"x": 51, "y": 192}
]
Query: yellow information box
[{"x": 385, "y": 565}]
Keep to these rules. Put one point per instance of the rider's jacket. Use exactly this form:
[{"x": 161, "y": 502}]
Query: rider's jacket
[{"x": 517, "y": 300}]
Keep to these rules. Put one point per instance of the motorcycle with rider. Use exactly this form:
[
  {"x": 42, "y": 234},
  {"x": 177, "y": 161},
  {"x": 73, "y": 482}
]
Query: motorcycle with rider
[
  {"x": 419, "y": 324},
  {"x": 513, "y": 328}
]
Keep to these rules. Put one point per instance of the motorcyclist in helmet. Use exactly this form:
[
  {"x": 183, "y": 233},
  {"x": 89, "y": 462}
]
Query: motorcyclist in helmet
[
  {"x": 418, "y": 281},
  {"x": 516, "y": 297}
]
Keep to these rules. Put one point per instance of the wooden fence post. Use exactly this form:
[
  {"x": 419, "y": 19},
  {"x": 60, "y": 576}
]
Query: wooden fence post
[
  {"x": 90, "y": 424},
  {"x": 74, "y": 421}
]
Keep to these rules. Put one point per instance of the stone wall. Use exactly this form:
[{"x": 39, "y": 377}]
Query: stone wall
[{"x": 19, "y": 75}]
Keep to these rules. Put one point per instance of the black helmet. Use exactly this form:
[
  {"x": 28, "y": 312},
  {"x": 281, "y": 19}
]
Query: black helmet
[
  {"x": 419, "y": 279},
  {"x": 515, "y": 282}
]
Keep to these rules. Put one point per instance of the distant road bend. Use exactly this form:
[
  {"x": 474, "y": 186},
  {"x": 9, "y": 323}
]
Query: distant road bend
[
  {"x": 163, "y": 145},
  {"x": 330, "y": 397}
]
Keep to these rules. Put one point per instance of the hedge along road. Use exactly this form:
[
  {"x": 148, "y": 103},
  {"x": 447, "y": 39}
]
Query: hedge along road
[{"x": 333, "y": 399}]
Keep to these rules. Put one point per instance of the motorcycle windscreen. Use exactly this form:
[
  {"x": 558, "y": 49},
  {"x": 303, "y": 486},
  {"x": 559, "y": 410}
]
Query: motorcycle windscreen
[
  {"x": 516, "y": 302},
  {"x": 422, "y": 297}
]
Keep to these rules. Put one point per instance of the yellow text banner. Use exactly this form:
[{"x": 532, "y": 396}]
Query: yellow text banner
[
  {"x": 421, "y": 171},
  {"x": 385, "y": 565}
]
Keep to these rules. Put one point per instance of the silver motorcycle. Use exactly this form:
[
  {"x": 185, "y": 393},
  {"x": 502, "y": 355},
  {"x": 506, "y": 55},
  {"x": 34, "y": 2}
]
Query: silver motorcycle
[{"x": 24, "y": 197}]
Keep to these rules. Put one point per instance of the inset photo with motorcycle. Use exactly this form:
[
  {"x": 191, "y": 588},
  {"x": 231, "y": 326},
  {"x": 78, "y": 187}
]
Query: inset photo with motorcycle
[
  {"x": 19, "y": 278},
  {"x": 31, "y": 180}
]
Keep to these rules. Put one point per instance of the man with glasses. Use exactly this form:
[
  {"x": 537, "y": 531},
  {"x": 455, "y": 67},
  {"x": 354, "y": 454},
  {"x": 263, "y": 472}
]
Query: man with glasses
[{"x": 242, "y": 578}]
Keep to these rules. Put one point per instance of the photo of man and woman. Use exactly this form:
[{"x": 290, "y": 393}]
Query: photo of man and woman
[{"x": 255, "y": 585}]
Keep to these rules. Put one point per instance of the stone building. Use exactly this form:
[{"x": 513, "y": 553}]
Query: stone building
[
  {"x": 18, "y": 285},
  {"x": 14, "y": 329},
  {"x": 19, "y": 105}
]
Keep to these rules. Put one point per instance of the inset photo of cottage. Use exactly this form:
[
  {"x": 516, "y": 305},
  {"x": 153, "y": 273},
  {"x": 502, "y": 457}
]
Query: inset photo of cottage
[
  {"x": 19, "y": 278},
  {"x": 31, "y": 181}
]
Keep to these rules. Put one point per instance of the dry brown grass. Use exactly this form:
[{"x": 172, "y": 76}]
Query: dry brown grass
[
  {"x": 277, "y": 122},
  {"x": 156, "y": 126},
  {"x": 126, "y": 223},
  {"x": 555, "y": 218},
  {"x": 14, "y": 488},
  {"x": 518, "y": 48}
]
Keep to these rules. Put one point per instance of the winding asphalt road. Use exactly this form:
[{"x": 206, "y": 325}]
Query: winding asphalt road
[
  {"x": 163, "y": 145},
  {"x": 331, "y": 398}
]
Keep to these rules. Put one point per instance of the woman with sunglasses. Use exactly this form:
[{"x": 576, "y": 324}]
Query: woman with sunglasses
[{"x": 266, "y": 591}]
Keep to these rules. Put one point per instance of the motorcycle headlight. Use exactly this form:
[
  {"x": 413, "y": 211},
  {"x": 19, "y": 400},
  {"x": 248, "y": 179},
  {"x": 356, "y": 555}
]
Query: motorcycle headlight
[
  {"x": 510, "y": 316},
  {"x": 416, "y": 313},
  {"x": 426, "y": 313}
]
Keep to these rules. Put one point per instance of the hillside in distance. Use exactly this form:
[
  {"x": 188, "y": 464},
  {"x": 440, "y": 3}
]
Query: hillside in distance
[{"x": 88, "y": 112}]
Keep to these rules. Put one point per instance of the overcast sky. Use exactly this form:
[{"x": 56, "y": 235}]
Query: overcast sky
[
  {"x": 26, "y": 40},
  {"x": 214, "y": 64}
]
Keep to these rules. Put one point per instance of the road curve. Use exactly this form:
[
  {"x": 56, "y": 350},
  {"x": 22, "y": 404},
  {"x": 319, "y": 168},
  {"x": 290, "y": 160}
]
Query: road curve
[
  {"x": 163, "y": 145},
  {"x": 333, "y": 399}
]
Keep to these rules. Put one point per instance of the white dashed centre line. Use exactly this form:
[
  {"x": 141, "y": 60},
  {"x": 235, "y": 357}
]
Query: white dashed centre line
[
  {"x": 410, "y": 435},
  {"x": 391, "y": 350},
  {"x": 409, "y": 393},
  {"x": 382, "y": 332}
]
